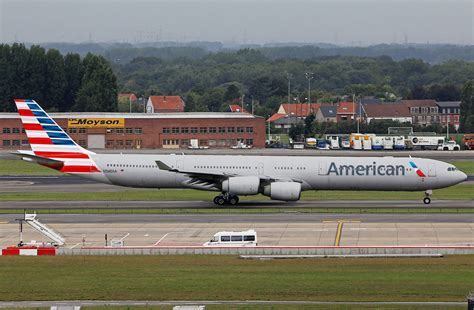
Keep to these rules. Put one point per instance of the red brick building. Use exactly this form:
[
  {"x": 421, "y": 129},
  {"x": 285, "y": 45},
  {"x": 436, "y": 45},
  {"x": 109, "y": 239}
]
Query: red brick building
[{"x": 127, "y": 131}]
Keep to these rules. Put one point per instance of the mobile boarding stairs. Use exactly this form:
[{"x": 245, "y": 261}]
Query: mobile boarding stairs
[{"x": 32, "y": 221}]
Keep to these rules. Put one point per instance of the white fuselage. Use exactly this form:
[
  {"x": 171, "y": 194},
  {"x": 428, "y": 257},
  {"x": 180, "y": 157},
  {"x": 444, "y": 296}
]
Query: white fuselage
[{"x": 314, "y": 173}]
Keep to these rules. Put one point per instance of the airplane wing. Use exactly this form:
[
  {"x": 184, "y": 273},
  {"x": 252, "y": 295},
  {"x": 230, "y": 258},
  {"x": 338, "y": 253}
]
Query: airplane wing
[{"x": 218, "y": 175}]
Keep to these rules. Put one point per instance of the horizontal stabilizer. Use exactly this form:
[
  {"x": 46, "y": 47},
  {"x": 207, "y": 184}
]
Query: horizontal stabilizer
[{"x": 51, "y": 163}]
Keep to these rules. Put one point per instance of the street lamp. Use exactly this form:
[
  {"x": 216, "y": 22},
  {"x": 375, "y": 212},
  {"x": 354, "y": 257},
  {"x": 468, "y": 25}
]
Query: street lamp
[
  {"x": 309, "y": 77},
  {"x": 288, "y": 77}
]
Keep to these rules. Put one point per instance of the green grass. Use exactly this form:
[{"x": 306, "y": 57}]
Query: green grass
[
  {"x": 465, "y": 166},
  {"x": 460, "y": 191},
  {"x": 341, "y": 306},
  {"x": 207, "y": 277},
  {"x": 18, "y": 167},
  {"x": 15, "y": 167}
]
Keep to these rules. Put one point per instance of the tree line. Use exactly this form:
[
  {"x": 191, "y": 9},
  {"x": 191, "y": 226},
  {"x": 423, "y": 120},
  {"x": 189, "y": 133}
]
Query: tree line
[
  {"x": 204, "y": 82},
  {"x": 57, "y": 82}
]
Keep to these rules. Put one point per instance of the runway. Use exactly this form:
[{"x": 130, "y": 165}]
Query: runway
[{"x": 199, "y": 204}]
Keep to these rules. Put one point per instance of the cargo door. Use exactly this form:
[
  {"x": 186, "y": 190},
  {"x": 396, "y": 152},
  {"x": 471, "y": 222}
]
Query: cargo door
[{"x": 432, "y": 170}]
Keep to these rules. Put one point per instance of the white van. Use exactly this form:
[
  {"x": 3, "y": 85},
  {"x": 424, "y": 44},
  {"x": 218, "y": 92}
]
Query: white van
[{"x": 233, "y": 239}]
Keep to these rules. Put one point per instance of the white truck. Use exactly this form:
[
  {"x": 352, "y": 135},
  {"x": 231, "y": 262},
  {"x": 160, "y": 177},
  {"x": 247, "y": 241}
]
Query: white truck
[
  {"x": 233, "y": 239},
  {"x": 425, "y": 142},
  {"x": 194, "y": 145},
  {"x": 449, "y": 146}
]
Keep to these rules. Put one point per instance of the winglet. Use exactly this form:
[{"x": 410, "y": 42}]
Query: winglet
[{"x": 163, "y": 166}]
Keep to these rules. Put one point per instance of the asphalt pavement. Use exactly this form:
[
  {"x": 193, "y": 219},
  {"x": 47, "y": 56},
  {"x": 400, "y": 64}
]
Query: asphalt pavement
[{"x": 288, "y": 217}]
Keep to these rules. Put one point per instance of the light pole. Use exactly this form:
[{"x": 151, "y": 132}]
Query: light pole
[
  {"x": 252, "y": 104},
  {"x": 288, "y": 77},
  {"x": 269, "y": 123},
  {"x": 243, "y": 96},
  {"x": 309, "y": 77}
]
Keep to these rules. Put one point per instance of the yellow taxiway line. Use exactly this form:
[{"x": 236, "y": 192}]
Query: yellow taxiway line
[{"x": 340, "y": 225}]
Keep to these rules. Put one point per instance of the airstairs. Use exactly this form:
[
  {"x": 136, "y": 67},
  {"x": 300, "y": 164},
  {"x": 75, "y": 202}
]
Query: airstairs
[{"x": 32, "y": 221}]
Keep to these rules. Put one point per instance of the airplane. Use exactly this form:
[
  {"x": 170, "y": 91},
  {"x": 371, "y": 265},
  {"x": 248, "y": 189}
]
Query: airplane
[{"x": 278, "y": 177}]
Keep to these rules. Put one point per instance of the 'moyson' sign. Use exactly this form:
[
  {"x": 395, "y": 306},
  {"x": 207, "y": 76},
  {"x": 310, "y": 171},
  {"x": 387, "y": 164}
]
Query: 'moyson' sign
[{"x": 96, "y": 123}]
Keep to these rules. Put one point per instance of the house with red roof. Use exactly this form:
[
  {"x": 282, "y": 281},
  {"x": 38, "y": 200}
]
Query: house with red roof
[
  {"x": 164, "y": 104},
  {"x": 424, "y": 112},
  {"x": 387, "y": 111},
  {"x": 237, "y": 108}
]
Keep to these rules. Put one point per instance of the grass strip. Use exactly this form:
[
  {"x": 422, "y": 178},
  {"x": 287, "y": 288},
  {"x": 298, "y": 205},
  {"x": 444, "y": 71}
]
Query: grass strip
[{"x": 208, "y": 277}]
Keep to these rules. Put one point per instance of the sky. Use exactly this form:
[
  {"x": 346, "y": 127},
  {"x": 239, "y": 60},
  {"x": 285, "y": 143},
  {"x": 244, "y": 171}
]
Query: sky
[{"x": 347, "y": 22}]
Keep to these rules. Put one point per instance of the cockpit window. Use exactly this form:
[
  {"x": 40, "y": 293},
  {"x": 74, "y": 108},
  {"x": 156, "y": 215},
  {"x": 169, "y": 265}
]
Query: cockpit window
[{"x": 452, "y": 168}]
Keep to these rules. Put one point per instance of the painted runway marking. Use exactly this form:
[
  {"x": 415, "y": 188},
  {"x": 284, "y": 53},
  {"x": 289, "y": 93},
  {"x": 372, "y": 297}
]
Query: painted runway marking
[
  {"x": 340, "y": 225},
  {"x": 77, "y": 244}
]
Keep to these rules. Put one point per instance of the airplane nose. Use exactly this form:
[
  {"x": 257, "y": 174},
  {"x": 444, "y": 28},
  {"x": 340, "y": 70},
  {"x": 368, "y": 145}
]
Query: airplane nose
[{"x": 462, "y": 176}]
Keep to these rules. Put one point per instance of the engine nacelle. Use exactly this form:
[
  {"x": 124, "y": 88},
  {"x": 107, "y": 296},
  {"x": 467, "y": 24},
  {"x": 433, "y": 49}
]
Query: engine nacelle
[
  {"x": 241, "y": 185},
  {"x": 287, "y": 191}
]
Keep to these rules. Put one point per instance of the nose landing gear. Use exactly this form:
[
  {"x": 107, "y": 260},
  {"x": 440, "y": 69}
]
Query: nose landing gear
[
  {"x": 226, "y": 198},
  {"x": 427, "y": 199}
]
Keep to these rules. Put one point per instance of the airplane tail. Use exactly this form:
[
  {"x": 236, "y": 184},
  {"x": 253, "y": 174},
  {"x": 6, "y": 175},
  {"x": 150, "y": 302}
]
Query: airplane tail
[{"x": 50, "y": 143}]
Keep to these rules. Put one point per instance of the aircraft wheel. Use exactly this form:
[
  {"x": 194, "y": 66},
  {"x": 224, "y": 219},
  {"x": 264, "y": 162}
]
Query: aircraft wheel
[
  {"x": 427, "y": 200},
  {"x": 215, "y": 199},
  {"x": 233, "y": 200},
  {"x": 220, "y": 200}
]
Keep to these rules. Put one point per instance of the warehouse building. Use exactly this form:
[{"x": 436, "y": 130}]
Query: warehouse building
[{"x": 149, "y": 131}]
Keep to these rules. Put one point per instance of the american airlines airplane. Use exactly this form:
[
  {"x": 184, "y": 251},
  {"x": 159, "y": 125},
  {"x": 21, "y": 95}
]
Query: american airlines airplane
[{"x": 278, "y": 177}]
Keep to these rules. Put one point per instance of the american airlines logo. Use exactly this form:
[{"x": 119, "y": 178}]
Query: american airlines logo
[{"x": 366, "y": 170}]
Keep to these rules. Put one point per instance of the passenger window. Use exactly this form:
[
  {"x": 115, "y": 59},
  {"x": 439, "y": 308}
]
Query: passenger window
[
  {"x": 225, "y": 238},
  {"x": 236, "y": 238}
]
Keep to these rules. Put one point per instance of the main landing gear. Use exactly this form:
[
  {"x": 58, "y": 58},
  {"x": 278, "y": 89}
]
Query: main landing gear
[
  {"x": 226, "y": 198},
  {"x": 427, "y": 199}
]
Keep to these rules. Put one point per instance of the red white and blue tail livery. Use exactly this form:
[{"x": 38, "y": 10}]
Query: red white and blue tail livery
[{"x": 49, "y": 141}]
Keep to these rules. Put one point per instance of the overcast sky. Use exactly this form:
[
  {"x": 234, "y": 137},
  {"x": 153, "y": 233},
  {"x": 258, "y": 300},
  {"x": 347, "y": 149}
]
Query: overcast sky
[{"x": 238, "y": 21}]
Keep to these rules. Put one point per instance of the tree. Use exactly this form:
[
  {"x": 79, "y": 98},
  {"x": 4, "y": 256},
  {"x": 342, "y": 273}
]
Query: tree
[
  {"x": 232, "y": 92},
  {"x": 98, "y": 91},
  {"x": 73, "y": 71},
  {"x": 309, "y": 124},
  {"x": 466, "y": 119},
  {"x": 296, "y": 132},
  {"x": 55, "y": 87}
]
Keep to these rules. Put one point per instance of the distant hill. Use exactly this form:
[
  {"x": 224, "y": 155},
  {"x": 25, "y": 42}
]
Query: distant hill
[{"x": 126, "y": 52}]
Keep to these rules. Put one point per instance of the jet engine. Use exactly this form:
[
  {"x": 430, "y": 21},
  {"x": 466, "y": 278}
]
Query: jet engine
[
  {"x": 287, "y": 191},
  {"x": 241, "y": 185}
]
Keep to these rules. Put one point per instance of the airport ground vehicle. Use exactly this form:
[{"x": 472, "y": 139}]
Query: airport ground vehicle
[
  {"x": 377, "y": 143},
  {"x": 233, "y": 239},
  {"x": 468, "y": 141},
  {"x": 278, "y": 177},
  {"x": 449, "y": 146},
  {"x": 311, "y": 143},
  {"x": 424, "y": 142},
  {"x": 194, "y": 144}
]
